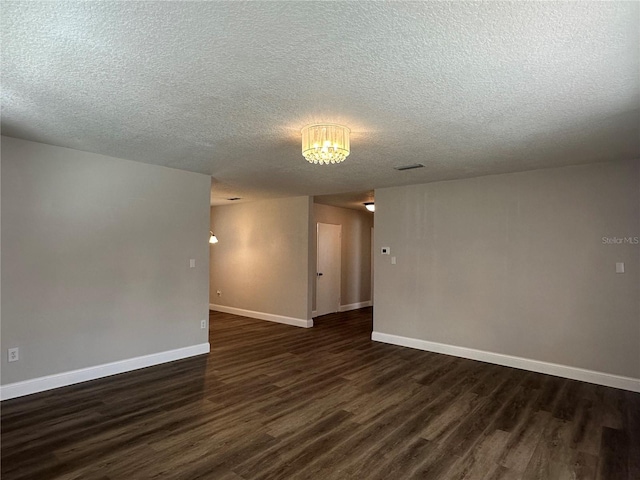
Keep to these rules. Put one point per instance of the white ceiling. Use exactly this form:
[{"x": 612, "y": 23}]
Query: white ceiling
[
  {"x": 223, "y": 88},
  {"x": 353, "y": 200}
]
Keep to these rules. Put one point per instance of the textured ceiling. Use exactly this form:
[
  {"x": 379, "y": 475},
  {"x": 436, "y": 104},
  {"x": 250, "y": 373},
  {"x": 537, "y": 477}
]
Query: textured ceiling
[
  {"x": 353, "y": 200},
  {"x": 223, "y": 88}
]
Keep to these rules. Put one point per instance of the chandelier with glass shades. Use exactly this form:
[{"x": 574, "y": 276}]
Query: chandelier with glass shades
[{"x": 325, "y": 143}]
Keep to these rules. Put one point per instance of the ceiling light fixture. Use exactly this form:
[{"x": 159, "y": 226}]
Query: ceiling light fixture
[
  {"x": 212, "y": 238},
  {"x": 370, "y": 206},
  {"x": 325, "y": 143}
]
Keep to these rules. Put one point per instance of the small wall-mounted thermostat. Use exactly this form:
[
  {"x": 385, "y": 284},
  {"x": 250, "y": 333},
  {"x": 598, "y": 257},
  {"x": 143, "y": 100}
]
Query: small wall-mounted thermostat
[{"x": 385, "y": 250}]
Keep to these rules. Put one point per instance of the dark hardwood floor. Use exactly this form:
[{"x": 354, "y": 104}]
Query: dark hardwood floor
[{"x": 273, "y": 401}]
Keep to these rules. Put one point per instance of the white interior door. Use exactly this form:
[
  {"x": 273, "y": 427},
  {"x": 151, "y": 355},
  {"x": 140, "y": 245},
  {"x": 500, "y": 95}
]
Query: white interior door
[{"x": 328, "y": 270}]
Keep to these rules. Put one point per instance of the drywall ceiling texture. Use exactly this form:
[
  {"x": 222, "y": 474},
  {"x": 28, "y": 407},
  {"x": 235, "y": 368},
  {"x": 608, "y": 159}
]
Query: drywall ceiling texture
[
  {"x": 351, "y": 200},
  {"x": 223, "y": 88}
]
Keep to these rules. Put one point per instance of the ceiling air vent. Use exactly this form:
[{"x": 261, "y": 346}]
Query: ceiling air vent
[
  {"x": 409, "y": 167},
  {"x": 233, "y": 199}
]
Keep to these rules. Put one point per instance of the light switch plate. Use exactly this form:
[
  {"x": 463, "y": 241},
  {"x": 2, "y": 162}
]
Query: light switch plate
[
  {"x": 192, "y": 263},
  {"x": 393, "y": 260},
  {"x": 385, "y": 251},
  {"x": 619, "y": 267}
]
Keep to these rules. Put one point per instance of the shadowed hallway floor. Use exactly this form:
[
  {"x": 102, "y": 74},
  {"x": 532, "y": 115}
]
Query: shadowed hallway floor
[{"x": 274, "y": 401}]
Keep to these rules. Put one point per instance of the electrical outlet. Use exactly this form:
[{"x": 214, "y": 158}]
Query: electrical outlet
[
  {"x": 203, "y": 324},
  {"x": 219, "y": 292},
  {"x": 14, "y": 354}
]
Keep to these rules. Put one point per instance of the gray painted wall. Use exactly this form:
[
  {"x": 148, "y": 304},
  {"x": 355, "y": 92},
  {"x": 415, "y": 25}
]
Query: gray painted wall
[
  {"x": 355, "y": 286},
  {"x": 261, "y": 262},
  {"x": 95, "y": 259},
  {"x": 515, "y": 264}
]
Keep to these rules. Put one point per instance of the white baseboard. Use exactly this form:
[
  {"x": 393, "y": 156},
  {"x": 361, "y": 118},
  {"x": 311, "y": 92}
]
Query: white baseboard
[
  {"x": 296, "y": 322},
  {"x": 354, "y": 306},
  {"x": 314, "y": 313},
  {"x": 41, "y": 384},
  {"x": 574, "y": 373}
]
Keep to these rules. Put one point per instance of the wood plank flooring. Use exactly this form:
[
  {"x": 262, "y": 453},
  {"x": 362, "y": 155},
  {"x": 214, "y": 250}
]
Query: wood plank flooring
[{"x": 278, "y": 402}]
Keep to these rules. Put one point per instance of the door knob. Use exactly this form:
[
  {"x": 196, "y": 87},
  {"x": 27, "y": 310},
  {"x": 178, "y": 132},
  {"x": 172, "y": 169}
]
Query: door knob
[{"x": 319, "y": 274}]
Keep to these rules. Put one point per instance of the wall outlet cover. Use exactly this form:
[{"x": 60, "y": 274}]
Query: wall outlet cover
[{"x": 14, "y": 354}]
